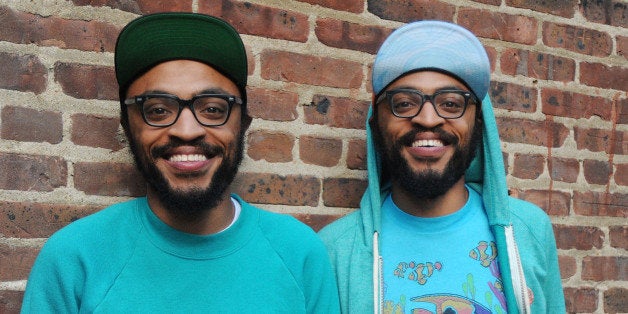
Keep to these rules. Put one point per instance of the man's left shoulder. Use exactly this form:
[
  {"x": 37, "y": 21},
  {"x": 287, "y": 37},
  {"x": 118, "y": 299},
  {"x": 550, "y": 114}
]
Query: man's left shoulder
[{"x": 279, "y": 224}]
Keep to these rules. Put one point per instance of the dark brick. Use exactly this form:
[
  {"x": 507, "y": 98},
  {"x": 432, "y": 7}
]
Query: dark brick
[
  {"x": 539, "y": 133},
  {"x": 336, "y": 112},
  {"x": 155, "y": 6},
  {"x": 23, "y": 73},
  {"x": 500, "y": 26},
  {"x": 564, "y": 8},
  {"x": 610, "y": 77},
  {"x": 621, "y": 174},
  {"x": 581, "y": 300},
  {"x": 513, "y": 97},
  {"x": 411, "y": 10},
  {"x": 554, "y": 203},
  {"x": 30, "y": 125},
  {"x": 320, "y": 151},
  {"x": 11, "y": 301},
  {"x": 601, "y": 268},
  {"x": 270, "y": 146},
  {"x": 619, "y": 236},
  {"x": 567, "y": 266},
  {"x": 261, "y": 188},
  {"x": 97, "y": 131},
  {"x": 622, "y": 46},
  {"x": 597, "y": 140},
  {"x": 356, "y": 155},
  {"x": 537, "y": 65},
  {"x": 342, "y": 192},
  {"x": 577, "y": 39},
  {"x": 109, "y": 179},
  {"x": 610, "y": 12},
  {"x": 354, "y": 6},
  {"x": 342, "y": 34},
  {"x": 574, "y": 105},
  {"x": 87, "y": 81},
  {"x": 578, "y": 237},
  {"x": 528, "y": 166},
  {"x": 129, "y": 6},
  {"x": 16, "y": 261},
  {"x": 600, "y": 204},
  {"x": 563, "y": 169},
  {"x": 272, "y": 105},
  {"x": 616, "y": 300},
  {"x": 32, "y": 172},
  {"x": 38, "y": 220},
  {"x": 597, "y": 171}
]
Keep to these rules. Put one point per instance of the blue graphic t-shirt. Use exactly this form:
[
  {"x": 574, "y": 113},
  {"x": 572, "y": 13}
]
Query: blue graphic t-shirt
[{"x": 444, "y": 264}]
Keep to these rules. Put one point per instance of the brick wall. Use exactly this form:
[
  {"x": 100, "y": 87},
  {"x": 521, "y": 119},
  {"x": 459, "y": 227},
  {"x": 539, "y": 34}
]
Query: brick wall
[{"x": 560, "y": 74}]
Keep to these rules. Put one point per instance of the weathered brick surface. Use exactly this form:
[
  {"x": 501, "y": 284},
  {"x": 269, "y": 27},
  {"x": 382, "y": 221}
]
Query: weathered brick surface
[
  {"x": 38, "y": 220},
  {"x": 506, "y": 27},
  {"x": 548, "y": 134},
  {"x": 597, "y": 171},
  {"x": 574, "y": 105},
  {"x": 604, "y": 76},
  {"x": 565, "y": 8},
  {"x": 272, "y": 104},
  {"x": 16, "y": 261},
  {"x": 355, "y": 6},
  {"x": 600, "y": 268},
  {"x": 11, "y": 301},
  {"x": 336, "y": 112},
  {"x": 563, "y": 169},
  {"x": 411, "y": 10},
  {"x": 581, "y": 300},
  {"x": 320, "y": 151},
  {"x": 129, "y": 6},
  {"x": 513, "y": 97},
  {"x": 555, "y": 203},
  {"x": 30, "y": 125},
  {"x": 599, "y": 140},
  {"x": 32, "y": 172},
  {"x": 341, "y": 34},
  {"x": 622, "y": 46},
  {"x": 321, "y": 71},
  {"x": 616, "y": 300},
  {"x": 619, "y": 236},
  {"x": 621, "y": 174},
  {"x": 87, "y": 81},
  {"x": 537, "y": 65},
  {"x": 577, "y": 39},
  {"x": 110, "y": 179},
  {"x": 578, "y": 237},
  {"x": 270, "y": 146},
  {"x": 339, "y": 192},
  {"x": 356, "y": 155},
  {"x": 612, "y": 12},
  {"x": 528, "y": 166},
  {"x": 295, "y": 190},
  {"x": 600, "y": 204},
  {"x": 567, "y": 266},
  {"x": 97, "y": 131},
  {"x": 23, "y": 73}
]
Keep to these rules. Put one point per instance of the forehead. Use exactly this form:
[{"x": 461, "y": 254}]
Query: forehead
[
  {"x": 427, "y": 82},
  {"x": 183, "y": 78}
]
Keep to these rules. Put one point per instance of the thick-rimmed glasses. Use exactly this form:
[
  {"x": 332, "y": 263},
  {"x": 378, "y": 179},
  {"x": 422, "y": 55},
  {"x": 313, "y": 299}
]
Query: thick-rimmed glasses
[
  {"x": 162, "y": 110},
  {"x": 448, "y": 104}
]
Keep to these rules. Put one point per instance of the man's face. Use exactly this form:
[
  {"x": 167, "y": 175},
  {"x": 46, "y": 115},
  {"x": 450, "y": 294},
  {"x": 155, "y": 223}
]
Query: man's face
[
  {"x": 188, "y": 166},
  {"x": 426, "y": 155}
]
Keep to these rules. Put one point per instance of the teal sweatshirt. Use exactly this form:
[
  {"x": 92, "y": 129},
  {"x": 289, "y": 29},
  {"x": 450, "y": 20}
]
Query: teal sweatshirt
[
  {"x": 523, "y": 233},
  {"x": 123, "y": 259}
]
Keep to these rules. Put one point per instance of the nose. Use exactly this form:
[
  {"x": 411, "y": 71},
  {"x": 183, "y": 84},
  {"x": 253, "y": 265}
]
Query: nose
[
  {"x": 187, "y": 128},
  {"x": 428, "y": 117}
]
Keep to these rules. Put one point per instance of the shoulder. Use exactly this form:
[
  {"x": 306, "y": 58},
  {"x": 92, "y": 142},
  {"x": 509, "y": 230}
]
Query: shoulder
[
  {"x": 530, "y": 222},
  {"x": 342, "y": 231}
]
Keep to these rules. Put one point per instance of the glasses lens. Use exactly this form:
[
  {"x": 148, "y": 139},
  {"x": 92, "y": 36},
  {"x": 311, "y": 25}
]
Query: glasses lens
[
  {"x": 160, "y": 110},
  {"x": 405, "y": 104},
  {"x": 211, "y": 110},
  {"x": 450, "y": 104}
]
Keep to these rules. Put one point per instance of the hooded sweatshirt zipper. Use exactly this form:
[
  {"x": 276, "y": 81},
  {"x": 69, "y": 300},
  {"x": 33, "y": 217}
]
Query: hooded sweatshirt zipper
[{"x": 516, "y": 272}]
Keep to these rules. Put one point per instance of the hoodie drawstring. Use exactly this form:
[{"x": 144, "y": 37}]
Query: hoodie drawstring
[
  {"x": 377, "y": 276},
  {"x": 516, "y": 272}
]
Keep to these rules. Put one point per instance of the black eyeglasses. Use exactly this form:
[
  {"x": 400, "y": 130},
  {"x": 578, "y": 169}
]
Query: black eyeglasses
[
  {"x": 448, "y": 104},
  {"x": 162, "y": 110}
]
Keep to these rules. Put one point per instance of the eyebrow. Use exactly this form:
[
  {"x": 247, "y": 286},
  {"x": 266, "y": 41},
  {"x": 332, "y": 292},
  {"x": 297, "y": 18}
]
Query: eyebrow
[
  {"x": 215, "y": 90},
  {"x": 448, "y": 87}
]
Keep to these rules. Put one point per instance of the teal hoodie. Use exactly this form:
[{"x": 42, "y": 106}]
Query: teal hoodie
[{"x": 523, "y": 234}]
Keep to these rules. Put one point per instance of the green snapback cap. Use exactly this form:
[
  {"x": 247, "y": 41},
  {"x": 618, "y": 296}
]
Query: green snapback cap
[{"x": 156, "y": 38}]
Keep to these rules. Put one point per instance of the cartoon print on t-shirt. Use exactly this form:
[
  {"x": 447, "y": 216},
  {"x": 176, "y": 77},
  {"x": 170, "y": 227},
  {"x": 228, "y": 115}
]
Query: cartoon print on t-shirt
[{"x": 418, "y": 272}]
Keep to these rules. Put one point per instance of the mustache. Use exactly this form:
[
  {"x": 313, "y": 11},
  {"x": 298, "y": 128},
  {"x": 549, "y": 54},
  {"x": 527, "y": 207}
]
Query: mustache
[
  {"x": 408, "y": 138},
  {"x": 204, "y": 148}
]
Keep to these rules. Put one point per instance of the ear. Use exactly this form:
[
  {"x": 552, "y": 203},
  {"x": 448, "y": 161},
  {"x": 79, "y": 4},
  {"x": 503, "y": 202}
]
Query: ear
[{"x": 246, "y": 122}]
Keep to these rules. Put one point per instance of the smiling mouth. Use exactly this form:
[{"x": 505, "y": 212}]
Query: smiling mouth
[
  {"x": 184, "y": 158},
  {"x": 428, "y": 143}
]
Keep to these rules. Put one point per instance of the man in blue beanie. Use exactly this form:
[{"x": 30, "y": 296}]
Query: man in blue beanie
[
  {"x": 189, "y": 246},
  {"x": 436, "y": 231}
]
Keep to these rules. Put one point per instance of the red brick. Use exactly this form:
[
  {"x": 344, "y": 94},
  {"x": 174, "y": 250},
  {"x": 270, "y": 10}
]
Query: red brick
[
  {"x": 272, "y": 104},
  {"x": 565, "y": 8},
  {"x": 616, "y": 300},
  {"x": 32, "y": 172},
  {"x": 601, "y": 268},
  {"x": 109, "y": 179},
  {"x": 262, "y": 188},
  {"x": 597, "y": 171},
  {"x": 600, "y": 204},
  {"x": 354, "y": 6},
  {"x": 563, "y": 169},
  {"x": 129, "y": 6},
  {"x": 30, "y": 125},
  {"x": 581, "y": 300},
  {"x": 11, "y": 301},
  {"x": 622, "y": 46},
  {"x": 554, "y": 203},
  {"x": 597, "y": 140},
  {"x": 16, "y": 261},
  {"x": 23, "y": 73},
  {"x": 567, "y": 266},
  {"x": 513, "y": 97},
  {"x": 341, "y": 192},
  {"x": 316, "y": 222},
  {"x": 611, "y": 12},
  {"x": 528, "y": 166},
  {"x": 87, "y": 81},
  {"x": 154, "y": 6},
  {"x": 336, "y": 112},
  {"x": 305, "y": 69},
  {"x": 539, "y": 133},
  {"x": 574, "y": 105},
  {"x": 619, "y": 236},
  {"x": 259, "y": 20},
  {"x": 320, "y": 151},
  {"x": 622, "y": 112},
  {"x": 38, "y": 220},
  {"x": 621, "y": 174},
  {"x": 97, "y": 131},
  {"x": 578, "y": 237},
  {"x": 610, "y": 77},
  {"x": 501, "y": 26},
  {"x": 342, "y": 34},
  {"x": 411, "y": 10},
  {"x": 356, "y": 155},
  {"x": 537, "y": 65},
  {"x": 26, "y": 28},
  {"x": 577, "y": 39},
  {"x": 270, "y": 146}
]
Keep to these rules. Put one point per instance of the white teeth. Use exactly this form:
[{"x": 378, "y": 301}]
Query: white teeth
[
  {"x": 183, "y": 158},
  {"x": 427, "y": 143}
]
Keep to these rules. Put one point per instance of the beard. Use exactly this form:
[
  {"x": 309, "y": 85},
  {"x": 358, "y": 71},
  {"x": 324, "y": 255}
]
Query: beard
[
  {"x": 196, "y": 200},
  {"x": 427, "y": 184}
]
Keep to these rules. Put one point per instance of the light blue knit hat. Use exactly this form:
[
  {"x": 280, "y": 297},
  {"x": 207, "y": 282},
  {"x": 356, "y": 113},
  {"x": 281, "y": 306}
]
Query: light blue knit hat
[{"x": 433, "y": 45}]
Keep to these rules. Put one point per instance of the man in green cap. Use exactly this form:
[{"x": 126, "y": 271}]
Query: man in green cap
[{"x": 188, "y": 246}]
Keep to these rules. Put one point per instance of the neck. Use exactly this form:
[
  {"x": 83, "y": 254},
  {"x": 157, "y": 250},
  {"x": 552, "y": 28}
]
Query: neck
[
  {"x": 201, "y": 222},
  {"x": 445, "y": 204}
]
